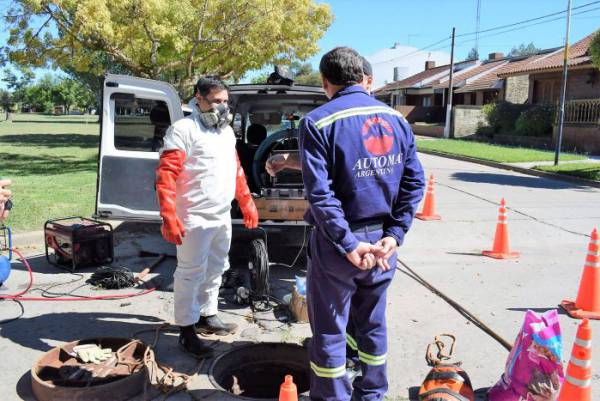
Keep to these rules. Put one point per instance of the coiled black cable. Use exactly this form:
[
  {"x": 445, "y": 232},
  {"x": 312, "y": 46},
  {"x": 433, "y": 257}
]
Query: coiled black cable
[
  {"x": 112, "y": 278},
  {"x": 259, "y": 271}
]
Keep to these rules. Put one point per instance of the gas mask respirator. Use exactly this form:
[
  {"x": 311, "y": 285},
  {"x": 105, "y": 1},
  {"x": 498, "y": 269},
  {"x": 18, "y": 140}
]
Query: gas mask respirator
[{"x": 218, "y": 117}]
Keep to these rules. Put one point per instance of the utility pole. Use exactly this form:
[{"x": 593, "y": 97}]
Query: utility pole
[
  {"x": 447, "y": 127},
  {"x": 563, "y": 95},
  {"x": 477, "y": 22}
]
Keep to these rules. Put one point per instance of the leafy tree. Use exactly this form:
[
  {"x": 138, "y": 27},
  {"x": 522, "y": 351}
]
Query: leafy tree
[
  {"x": 473, "y": 54},
  {"x": 312, "y": 78},
  {"x": 86, "y": 99},
  {"x": 17, "y": 85},
  {"x": 6, "y": 101},
  {"x": 40, "y": 96},
  {"x": 69, "y": 92},
  {"x": 298, "y": 68},
  {"x": 523, "y": 50},
  {"x": 302, "y": 73},
  {"x": 91, "y": 80},
  {"x": 163, "y": 38},
  {"x": 595, "y": 49},
  {"x": 261, "y": 78}
]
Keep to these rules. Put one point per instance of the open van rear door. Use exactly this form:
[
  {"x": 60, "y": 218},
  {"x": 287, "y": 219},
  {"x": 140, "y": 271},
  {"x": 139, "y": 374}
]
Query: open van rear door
[{"x": 136, "y": 113}]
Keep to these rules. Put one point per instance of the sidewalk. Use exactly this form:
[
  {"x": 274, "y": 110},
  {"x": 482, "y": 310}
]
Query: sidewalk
[{"x": 590, "y": 159}]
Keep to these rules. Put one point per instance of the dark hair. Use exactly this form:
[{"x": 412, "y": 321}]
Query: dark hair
[
  {"x": 367, "y": 69},
  {"x": 206, "y": 84},
  {"x": 256, "y": 133},
  {"x": 342, "y": 66}
]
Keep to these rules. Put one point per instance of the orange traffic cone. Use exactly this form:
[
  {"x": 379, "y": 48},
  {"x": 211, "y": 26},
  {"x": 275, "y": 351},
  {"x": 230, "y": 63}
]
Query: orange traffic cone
[
  {"x": 587, "y": 304},
  {"x": 578, "y": 380},
  {"x": 288, "y": 390},
  {"x": 501, "y": 249},
  {"x": 428, "y": 212}
]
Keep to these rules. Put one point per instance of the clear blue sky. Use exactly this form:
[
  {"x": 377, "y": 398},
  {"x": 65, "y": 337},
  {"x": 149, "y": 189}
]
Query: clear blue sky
[{"x": 372, "y": 25}]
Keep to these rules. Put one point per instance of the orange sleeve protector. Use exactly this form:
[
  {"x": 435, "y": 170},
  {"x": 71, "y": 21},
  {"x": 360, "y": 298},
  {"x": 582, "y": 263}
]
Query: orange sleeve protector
[
  {"x": 170, "y": 165},
  {"x": 244, "y": 197}
]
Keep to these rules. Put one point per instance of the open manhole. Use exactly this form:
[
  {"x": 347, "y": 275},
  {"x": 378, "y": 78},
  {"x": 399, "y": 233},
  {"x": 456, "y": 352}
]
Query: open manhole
[{"x": 256, "y": 371}]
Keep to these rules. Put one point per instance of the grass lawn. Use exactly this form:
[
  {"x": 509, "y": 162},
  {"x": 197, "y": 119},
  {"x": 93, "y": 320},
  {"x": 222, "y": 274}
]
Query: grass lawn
[
  {"x": 52, "y": 161},
  {"x": 591, "y": 171},
  {"x": 495, "y": 153}
]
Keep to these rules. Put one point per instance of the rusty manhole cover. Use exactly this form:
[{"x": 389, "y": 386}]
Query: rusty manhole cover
[
  {"x": 59, "y": 376},
  {"x": 256, "y": 371}
]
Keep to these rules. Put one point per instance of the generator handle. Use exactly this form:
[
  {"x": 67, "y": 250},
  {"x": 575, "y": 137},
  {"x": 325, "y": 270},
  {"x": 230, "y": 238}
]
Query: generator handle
[
  {"x": 8, "y": 240},
  {"x": 10, "y": 244}
]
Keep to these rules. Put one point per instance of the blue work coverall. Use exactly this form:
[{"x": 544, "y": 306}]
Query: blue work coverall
[{"x": 363, "y": 182}]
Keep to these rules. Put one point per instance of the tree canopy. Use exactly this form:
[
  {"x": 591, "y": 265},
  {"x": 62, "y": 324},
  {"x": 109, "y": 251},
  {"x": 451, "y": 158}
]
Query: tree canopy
[
  {"x": 47, "y": 92},
  {"x": 163, "y": 39},
  {"x": 6, "y": 102},
  {"x": 473, "y": 54},
  {"x": 523, "y": 50},
  {"x": 17, "y": 85},
  {"x": 302, "y": 73},
  {"x": 595, "y": 49}
]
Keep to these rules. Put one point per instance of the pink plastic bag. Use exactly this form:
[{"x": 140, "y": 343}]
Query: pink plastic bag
[{"x": 534, "y": 370}]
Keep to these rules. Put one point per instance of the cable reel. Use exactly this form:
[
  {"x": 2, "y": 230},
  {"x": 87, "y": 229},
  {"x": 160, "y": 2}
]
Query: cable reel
[{"x": 258, "y": 264}]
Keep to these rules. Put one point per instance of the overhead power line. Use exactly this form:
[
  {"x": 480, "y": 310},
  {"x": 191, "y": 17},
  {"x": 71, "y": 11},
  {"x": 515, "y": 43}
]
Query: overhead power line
[
  {"x": 515, "y": 27},
  {"x": 530, "y": 25},
  {"x": 526, "y": 21},
  {"x": 415, "y": 52}
]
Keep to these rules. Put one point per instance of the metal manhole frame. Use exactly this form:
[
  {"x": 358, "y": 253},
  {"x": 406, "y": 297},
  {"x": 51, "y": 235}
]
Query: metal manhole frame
[{"x": 217, "y": 386}]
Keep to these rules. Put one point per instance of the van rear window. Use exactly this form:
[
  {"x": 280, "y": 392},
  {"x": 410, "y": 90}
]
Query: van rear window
[{"x": 140, "y": 124}]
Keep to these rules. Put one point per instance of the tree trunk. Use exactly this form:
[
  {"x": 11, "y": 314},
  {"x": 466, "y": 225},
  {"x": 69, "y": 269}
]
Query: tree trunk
[{"x": 9, "y": 116}]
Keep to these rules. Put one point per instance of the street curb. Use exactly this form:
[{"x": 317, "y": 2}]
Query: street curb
[{"x": 523, "y": 170}]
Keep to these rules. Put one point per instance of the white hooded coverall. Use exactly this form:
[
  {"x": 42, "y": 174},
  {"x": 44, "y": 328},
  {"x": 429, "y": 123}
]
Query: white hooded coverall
[{"x": 205, "y": 190}]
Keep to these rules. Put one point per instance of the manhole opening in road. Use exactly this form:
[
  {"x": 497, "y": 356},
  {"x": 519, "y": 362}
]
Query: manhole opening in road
[{"x": 256, "y": 371}]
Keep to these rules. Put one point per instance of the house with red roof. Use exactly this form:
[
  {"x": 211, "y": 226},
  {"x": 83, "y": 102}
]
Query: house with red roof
[
  {"x": 474, "y": 82},
  {"x": 529, "y": 79},
  {"x": 538, "y": 79}
]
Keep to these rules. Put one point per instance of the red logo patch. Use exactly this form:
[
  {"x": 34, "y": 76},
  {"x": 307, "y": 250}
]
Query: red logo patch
[{"x": 378, "y": 136}]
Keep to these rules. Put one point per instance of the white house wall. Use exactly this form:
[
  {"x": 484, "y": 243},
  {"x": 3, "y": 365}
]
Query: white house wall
[{"x": 407, "y": 58}]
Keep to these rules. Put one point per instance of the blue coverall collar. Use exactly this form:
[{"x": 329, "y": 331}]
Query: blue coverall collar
[{"x": 348, "y": 90}]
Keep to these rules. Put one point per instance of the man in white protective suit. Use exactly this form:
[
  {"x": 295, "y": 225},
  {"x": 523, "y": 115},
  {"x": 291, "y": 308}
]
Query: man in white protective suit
[{"x": 198, "y": 176}]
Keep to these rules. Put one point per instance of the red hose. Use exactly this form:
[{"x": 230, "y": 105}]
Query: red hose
[{"x": 19, "y": 296}]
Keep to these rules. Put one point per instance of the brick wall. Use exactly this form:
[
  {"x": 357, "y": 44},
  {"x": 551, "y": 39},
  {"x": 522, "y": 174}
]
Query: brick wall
[
  {"x": 466, "y": 120},
  {"x": 517, "y": 89},
  {"x": 434, "y": 130},
  {"x": 581, "y": 84},
  {"x": 581, "y": 138},
  {"x": 428, "y": 114}
]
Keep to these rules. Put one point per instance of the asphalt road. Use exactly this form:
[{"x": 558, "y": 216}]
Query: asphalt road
[{"x": 549, "y": 223}]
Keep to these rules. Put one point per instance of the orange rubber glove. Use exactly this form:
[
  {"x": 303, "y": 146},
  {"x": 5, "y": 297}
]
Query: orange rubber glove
[
  {"x": 244, "y": 197},
  {"x": 170, "y": 165}
]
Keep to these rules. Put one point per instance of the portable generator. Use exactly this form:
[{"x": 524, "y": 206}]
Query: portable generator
[{"x": 75, "y": 242}]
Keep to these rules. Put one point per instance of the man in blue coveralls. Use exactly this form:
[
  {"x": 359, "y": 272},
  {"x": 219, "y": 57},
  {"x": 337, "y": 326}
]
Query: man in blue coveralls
[{"x": 363, "y": 182}]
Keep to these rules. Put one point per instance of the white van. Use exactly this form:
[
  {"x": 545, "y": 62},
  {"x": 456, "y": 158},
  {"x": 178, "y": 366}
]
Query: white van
[{"x": 135, "y": 115}]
